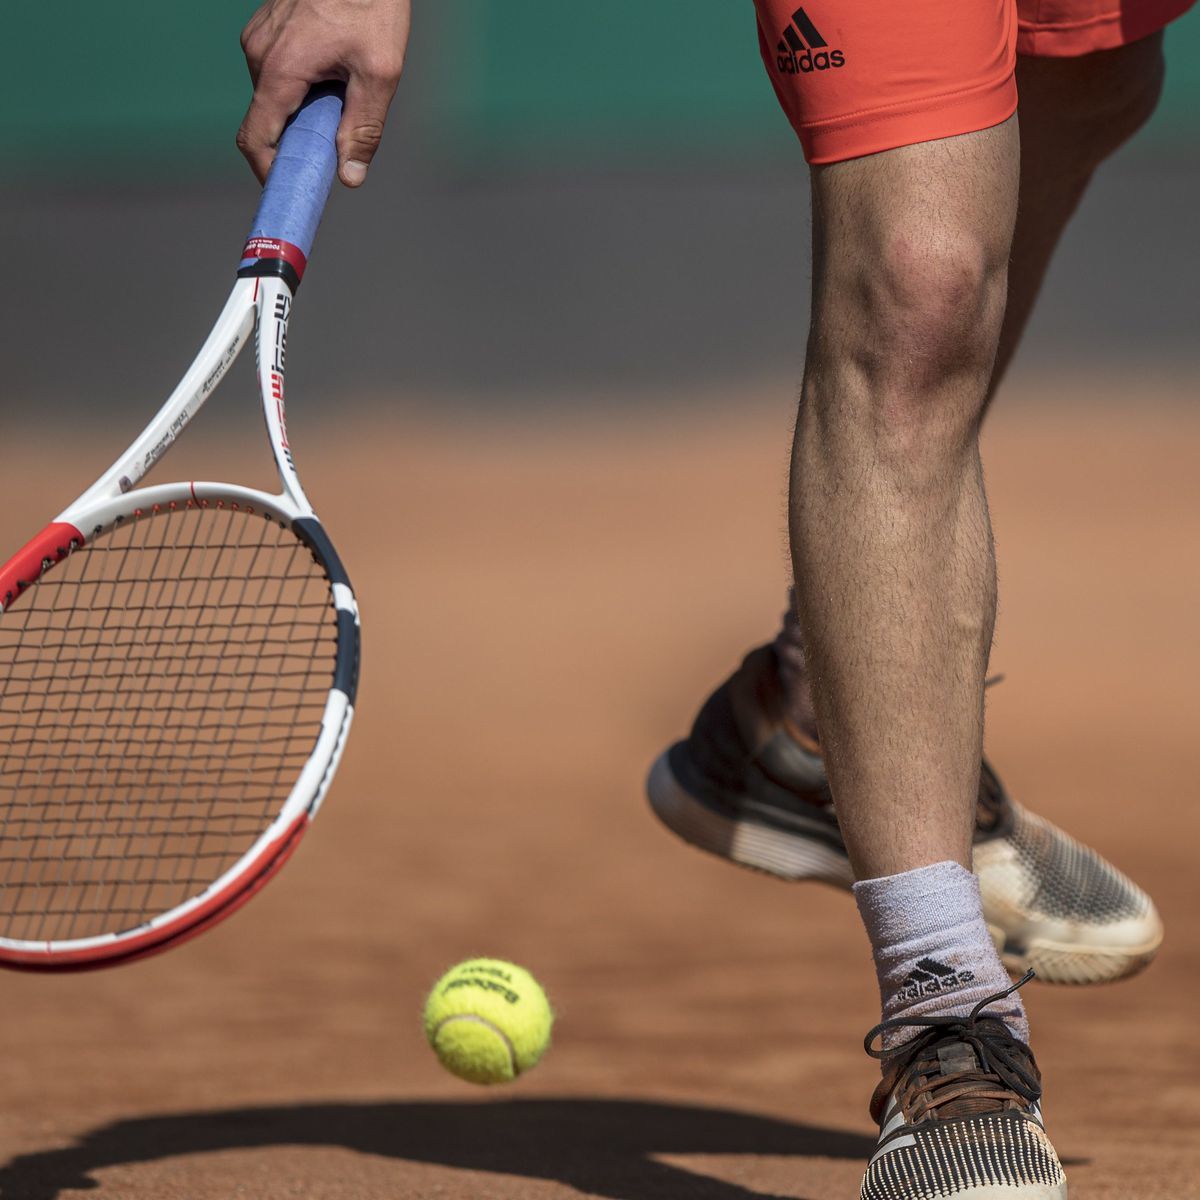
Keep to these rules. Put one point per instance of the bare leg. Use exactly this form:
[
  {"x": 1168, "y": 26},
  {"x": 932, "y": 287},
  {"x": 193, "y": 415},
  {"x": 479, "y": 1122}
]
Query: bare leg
[
  {"x": 891, "y": 542},
  {"x": 1075, "y": 112},
  {"x": 899, "y": 612}
]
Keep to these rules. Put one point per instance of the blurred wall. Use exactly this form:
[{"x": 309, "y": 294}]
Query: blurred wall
[
  {"x": 572, "y": 207},
  {"x": 140, "y": 84}
]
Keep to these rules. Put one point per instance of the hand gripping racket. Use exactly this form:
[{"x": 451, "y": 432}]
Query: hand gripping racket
[{"x": 178, "y": 662}]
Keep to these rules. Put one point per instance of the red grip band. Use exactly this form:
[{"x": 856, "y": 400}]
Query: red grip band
[{"x": 268, "y": 247}]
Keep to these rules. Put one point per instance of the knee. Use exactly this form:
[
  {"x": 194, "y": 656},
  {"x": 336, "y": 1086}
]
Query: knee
[
  {"x": 934, "y": 301},
  {"x": 923, "y": 336}
]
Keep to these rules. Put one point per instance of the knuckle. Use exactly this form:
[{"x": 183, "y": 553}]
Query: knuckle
[
  {"x": 384, "y": 68},
  {"x": 367, "y": 134},
  {"x": 251, "y": 42}
]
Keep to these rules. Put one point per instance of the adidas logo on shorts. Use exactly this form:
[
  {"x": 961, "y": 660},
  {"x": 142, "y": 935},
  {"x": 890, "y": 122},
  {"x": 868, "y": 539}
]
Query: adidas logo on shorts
[{"x": 802, "y": 49}]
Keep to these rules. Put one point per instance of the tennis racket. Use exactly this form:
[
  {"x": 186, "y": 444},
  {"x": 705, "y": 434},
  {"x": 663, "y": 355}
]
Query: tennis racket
[{"x": 178, "y": 662}]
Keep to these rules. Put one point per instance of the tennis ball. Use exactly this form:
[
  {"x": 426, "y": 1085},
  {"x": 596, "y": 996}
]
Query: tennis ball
[{"x": 488, "y": 1020}]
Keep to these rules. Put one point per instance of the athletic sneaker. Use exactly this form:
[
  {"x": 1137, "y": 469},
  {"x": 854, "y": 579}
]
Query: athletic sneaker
[
  {"x": 749, "y": 787},
  {"x": 958, "y": 1112}
]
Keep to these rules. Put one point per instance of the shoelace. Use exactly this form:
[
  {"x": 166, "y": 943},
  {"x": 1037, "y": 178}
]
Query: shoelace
[{"x": 1004, "y": 1067}]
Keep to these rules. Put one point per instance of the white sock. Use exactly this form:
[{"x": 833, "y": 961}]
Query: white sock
[{"x": 933, "y": 953}]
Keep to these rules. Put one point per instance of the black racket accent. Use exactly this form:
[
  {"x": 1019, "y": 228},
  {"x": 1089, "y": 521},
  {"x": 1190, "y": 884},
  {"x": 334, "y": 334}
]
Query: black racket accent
[
  {"x": 161, "y": 690},
  {"x": 345, "y": 673},
  {"x": 272, "y": 267},
  {"x": 310, "y": 531},
  {"x": 345, "y": 676}
]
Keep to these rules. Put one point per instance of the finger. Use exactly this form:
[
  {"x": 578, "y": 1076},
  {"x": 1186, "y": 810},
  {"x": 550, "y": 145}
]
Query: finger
[
  {"x": 275, "y": 99},
  {"x": 363, "y": 118}
]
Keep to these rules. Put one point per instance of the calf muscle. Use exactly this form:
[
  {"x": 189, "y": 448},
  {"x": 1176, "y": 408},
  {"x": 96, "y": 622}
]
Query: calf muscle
[{"x": 891, "y": 541}]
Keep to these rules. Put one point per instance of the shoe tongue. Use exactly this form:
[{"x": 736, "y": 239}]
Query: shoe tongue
[
  {"x": 957, "y": 1057},
  {"x": 954, "y": 1059}
]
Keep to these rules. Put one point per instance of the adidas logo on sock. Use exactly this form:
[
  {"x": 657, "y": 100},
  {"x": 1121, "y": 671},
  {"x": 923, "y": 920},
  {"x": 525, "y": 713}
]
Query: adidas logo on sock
[
  {"x": 930, "y": 976},
  {"x": 802, "y": 49}
]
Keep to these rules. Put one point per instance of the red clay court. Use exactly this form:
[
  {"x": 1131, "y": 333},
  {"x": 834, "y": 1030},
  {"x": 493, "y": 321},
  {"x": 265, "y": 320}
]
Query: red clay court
[{"x": 550, "y": 606}]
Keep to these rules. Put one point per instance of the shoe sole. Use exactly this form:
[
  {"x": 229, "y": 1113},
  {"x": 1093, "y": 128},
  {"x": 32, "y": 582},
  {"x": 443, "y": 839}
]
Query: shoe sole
[
  {"x": 1023, "y": 1192},
  {"x": 748, "y": 842},
  {"x": 1064, "y": 963},
  {"x": 792, "y": 856}
]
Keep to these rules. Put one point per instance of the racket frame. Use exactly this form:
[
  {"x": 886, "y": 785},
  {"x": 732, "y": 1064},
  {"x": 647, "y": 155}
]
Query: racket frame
[{"x": 261, "y": 305}]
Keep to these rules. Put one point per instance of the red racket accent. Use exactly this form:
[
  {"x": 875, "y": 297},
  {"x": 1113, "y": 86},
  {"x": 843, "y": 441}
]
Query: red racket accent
[
  {"x": 214, "y": 910},
  {"x": 52, "y": 545},
  {"x": 267, "y": 247}
]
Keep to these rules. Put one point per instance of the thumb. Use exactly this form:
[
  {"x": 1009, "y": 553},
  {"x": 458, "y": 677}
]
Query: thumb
[{"x": 363, "y": 118}]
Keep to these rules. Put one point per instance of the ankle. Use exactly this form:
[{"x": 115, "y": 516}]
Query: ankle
[{"x": 932, "y": 949}]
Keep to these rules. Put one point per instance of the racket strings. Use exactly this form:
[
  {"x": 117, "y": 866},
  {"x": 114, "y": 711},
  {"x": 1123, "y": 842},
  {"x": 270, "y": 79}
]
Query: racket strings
[{"x": 160, "y": 692}]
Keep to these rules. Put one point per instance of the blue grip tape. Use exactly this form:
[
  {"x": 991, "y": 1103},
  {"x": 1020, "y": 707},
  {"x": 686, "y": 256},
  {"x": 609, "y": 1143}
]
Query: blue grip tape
[{"x": 301, "y": 175}]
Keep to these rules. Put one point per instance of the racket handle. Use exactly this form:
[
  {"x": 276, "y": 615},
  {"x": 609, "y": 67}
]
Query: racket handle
[{"x": 296, "y": 189}]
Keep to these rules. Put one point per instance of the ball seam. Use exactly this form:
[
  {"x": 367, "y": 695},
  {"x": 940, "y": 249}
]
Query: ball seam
[{"x": 512, "y": 1051}]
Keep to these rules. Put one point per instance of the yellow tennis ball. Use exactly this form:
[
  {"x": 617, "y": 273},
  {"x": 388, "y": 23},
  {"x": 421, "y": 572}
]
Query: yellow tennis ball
[{"x": 488, "y": 1020}]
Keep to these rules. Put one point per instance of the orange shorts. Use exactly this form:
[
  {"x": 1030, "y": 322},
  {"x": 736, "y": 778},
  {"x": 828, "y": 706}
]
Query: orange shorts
[{"x": 856, "y": 76}]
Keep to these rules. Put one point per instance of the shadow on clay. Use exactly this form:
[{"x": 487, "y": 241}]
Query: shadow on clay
[{"x": 599, "y": 1147}]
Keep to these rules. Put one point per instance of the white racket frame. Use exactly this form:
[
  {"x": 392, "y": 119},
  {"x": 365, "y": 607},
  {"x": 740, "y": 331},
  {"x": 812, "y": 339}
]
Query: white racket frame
[{"x": 256, "y": 305}]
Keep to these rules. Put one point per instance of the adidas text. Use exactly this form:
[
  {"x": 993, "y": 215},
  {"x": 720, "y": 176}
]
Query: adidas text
[
  {"x": 930, "y": 976},
  {"x": 802, "y": 49},
  {"x": 806, "y": 61}
]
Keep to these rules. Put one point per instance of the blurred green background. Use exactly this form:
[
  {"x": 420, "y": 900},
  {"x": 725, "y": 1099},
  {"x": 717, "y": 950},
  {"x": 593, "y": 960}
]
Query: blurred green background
[
  {"x": 573, "y": 207},
  {"x": 141, "y": 85}
]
